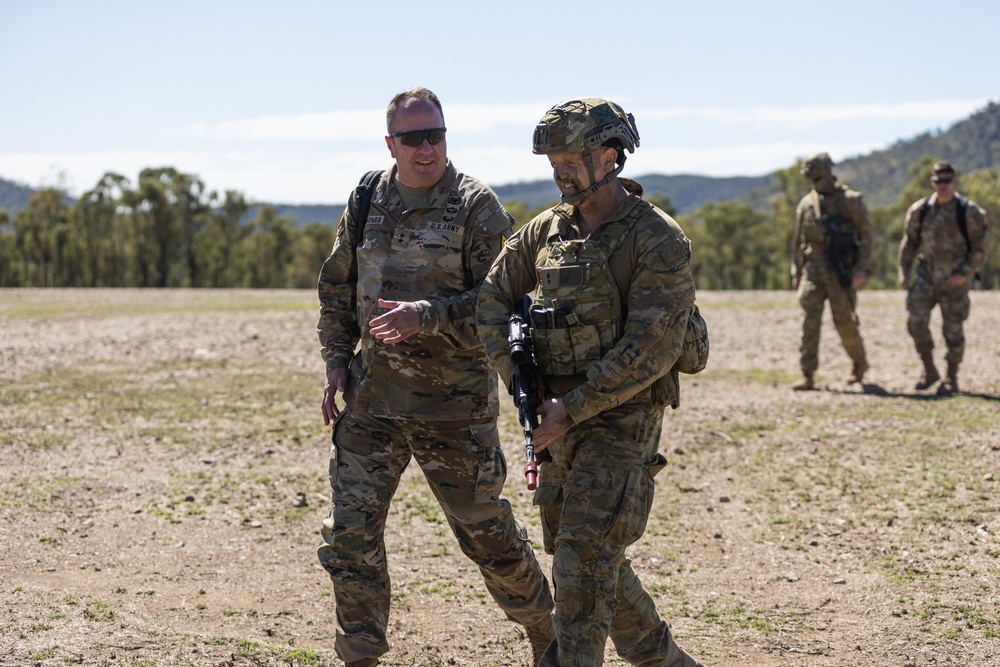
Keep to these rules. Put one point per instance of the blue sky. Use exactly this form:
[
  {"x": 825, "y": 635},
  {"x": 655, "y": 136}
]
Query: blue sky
[{"x": 285, "y": 101}]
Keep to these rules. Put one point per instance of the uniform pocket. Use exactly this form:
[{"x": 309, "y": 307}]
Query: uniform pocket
[
  {"x": 490, "y": 467},
  {"x": 627, "y": 521}
]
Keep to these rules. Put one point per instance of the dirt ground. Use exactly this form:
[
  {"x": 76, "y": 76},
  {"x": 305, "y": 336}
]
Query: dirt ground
[{"x": 164, "y": 479}]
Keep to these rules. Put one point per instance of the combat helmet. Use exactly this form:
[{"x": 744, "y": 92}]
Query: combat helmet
[
  {"x": 585, "y": 125},
  {"x": 817, "y": 166}
]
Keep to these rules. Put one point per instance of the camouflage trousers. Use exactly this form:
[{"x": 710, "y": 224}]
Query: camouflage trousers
[
  {"x": 955, "y": 305},
  {"x": 814, "y": 291},
  {"x": 465, "y": 468},
  {"x": 595, "y": 498}
]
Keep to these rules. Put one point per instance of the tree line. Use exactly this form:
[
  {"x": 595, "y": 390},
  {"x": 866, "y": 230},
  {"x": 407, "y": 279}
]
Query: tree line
[
  {"x": 738, "y": 247},
  {"x": 168, "y": 230}
]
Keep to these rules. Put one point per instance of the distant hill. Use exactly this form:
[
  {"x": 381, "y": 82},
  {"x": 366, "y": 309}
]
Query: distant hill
[
  {"x": 686, "y": 191},
  {"x": 14, "y": 196},
  {"x": 971, "y": 144},
  {"x": 302, "y": 214}
]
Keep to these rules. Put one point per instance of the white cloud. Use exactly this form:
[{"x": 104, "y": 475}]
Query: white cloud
[
  {"x": 279, "y": 177},
  {"x": 332, "y": 126},
  {"x": 484, "y": 118},
  {"x": 931, "y": 111},
  {"x": 317, "y": 158}
]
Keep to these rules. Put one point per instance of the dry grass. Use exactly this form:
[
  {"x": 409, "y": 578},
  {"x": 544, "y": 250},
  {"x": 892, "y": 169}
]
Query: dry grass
[{"x": 155, "y": 444}]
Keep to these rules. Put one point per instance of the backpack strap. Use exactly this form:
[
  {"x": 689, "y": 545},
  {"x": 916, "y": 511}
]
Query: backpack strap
[
  {"x": 362, "y": 199},
  {"x": 925, "y": 206}
]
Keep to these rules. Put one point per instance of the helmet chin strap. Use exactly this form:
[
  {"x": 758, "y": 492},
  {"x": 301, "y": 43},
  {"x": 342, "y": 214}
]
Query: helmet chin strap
[{"x": 580, "y": 197}]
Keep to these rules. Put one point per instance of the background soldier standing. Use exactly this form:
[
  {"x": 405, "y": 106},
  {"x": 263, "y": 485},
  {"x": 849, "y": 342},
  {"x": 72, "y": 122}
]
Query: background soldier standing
[
  {"x": 831, "y": 252},
  {"x": 419, "y": 385},
  {"x": 948, "y": 258},
  {"x": 614, "y": 294}
]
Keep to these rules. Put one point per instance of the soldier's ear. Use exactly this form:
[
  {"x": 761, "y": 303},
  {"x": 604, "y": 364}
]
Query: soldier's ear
[{"x": 609, "y": 158}]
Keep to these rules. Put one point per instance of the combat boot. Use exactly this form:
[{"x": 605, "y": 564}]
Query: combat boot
[
  {"x": 364, "y": 662},
  {"x": 540, "y": 636},
  {"x": 806, "y": 383},
  {"x": 949, "y": 386},
  {"x": 858, "y": 373},
  {"x": 678, "y": 657},
  {"x": 930, "y": 374}
]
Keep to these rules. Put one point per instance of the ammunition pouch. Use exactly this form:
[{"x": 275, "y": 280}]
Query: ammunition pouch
[{"x": 565, "y": 346}]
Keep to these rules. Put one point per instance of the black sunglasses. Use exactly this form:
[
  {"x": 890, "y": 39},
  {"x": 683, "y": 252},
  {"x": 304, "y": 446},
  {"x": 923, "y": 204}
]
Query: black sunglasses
[
  {"x": 415, "y": 138},
  {"x": 941, "y": 181}
]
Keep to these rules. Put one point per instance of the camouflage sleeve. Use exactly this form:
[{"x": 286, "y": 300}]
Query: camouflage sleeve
[
  {"x": 455, "y": 316},
  {"x": 338, "y": 324},
  {"x": 510, "y": 277},
  {"x": 909, "y": 245},
  {"x": 863, "y": 228},
  {"x": 798, "y": 242},
  {"x": 659, "y": 299},
  {"x": 977, "y": 226}
]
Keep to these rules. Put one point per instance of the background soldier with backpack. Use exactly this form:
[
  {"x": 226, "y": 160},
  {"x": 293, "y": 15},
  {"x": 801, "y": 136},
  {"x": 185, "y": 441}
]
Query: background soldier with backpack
[
  {"x": 613, "y": 298},
  {"x": 400, "y": 286},
  {"x": 831, "y": 251},
  {"x": 946, "y": 234}
]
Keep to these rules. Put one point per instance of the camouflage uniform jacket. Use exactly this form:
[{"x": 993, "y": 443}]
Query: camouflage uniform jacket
[
  {"x": 652, "y": 274},
  {"x": 809, "y": 242},
  {"x": 938, "y": 244},
  {"x": 435, "y": 255}
]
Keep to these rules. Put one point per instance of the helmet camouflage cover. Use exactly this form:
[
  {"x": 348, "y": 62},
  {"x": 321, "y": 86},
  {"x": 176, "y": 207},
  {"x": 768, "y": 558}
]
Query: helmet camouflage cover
[
  {"x": 817, "y": 166},
  {"x": 583, "y": 125}
]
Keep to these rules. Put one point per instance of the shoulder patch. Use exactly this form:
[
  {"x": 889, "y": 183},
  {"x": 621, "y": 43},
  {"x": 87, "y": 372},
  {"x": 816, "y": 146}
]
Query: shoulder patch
[
  {"x": 675, "y": 252},
  {"x": 498, "y": 224}
]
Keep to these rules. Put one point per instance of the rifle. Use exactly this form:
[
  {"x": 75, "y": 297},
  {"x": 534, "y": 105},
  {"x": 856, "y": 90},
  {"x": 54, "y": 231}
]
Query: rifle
[
  {"x": 842, "y": 247},
  {"x": 525, "y": 387}
]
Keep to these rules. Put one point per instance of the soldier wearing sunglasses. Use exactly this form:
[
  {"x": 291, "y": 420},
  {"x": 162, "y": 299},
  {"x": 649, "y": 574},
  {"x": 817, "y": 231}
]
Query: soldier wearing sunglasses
[
  {"x": 398, "y": 333},
  {"x": 946, "y": 235}
]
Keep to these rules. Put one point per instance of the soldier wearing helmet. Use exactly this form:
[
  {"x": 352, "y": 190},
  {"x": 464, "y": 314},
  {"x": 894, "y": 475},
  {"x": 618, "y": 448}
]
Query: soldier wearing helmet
[
  {"x": 831, "y": 251},
  {"x": 612, "y": 294}
]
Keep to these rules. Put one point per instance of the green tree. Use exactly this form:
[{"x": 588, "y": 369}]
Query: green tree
[
  {"x": 792, "y": 187},
  {"x": 265, "y": 254},
  {"x": 311, "y": 248},
  {"x": 662, "y": 202},
  {"x": 9, "y": 276},
  {"x": 106, "y": 237},
  {"x": 215, "y": 243},
  {"x": 170, "y": 208},
  {"x": 734, "y": 247},
  {"x": 39, "y": 232}
]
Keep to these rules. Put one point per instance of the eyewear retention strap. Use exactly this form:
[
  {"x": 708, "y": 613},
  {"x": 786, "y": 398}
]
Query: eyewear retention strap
[{"x": 416, "y": 138}]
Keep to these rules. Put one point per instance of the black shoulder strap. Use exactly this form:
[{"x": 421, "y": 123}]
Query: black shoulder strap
[
  {"x": 362, "y": 200},
  {"x": 963, "y": 224}
]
